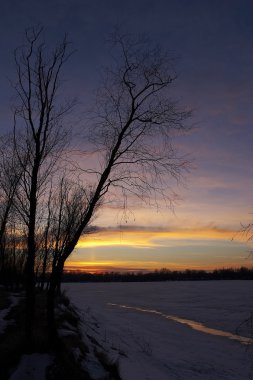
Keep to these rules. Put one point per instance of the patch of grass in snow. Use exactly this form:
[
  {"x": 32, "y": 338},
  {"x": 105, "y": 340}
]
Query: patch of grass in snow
[{"x": 66, "y": 312}]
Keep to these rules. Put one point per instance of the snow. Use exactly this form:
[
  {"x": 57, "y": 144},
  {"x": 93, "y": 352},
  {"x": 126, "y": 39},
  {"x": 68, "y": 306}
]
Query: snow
[
  {"x": 3, "y": 313},
  {"x": 129, "y": 322},
  {"x": 32, "y": 367}
]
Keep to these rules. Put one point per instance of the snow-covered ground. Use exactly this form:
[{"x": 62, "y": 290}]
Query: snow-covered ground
[
  {"x": 3, "y": 313},
  {"x": 148, "y": 328},
  {"x": 32, "y": 367}
]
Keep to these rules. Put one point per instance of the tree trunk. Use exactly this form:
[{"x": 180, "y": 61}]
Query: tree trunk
[
  {"x": 30, "y": 295},
  {"x": 54, "y": 289},
  {"x": 31, "y": 249},
  {"x": 44, "y": 267}
]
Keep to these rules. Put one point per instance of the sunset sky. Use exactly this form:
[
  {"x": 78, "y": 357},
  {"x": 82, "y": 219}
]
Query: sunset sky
[{"x": 213, "y": 40}]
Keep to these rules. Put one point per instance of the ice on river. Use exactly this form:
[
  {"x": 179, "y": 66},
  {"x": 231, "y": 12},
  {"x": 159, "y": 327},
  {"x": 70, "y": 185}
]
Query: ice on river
[{"x": 170, "y": 330}]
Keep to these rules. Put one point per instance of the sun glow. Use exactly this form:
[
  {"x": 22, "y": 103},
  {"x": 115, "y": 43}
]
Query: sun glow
[
  {"x": 144, "y": 249},
  {"x": 122, "y": 266}
]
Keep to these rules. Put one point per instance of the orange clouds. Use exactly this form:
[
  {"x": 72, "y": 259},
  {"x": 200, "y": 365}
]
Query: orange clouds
[{"x": 145, "y": 238}]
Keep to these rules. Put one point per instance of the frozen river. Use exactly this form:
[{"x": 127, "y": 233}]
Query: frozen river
[{"x": 170, "y": 330}]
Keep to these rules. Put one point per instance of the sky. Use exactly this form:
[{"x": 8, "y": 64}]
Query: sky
[{"x": 213, "y": 40}]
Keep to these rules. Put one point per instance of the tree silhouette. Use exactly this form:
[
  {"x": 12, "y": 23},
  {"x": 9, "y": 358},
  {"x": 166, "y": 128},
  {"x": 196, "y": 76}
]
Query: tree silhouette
[
  {"x": 136, "y": 121},
  {"x": 39, "y": 135}
]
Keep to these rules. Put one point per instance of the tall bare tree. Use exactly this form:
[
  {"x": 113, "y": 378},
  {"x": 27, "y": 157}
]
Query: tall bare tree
[
  {"x": 38, "y": 132},
  {"x": 136, "y": 122}
]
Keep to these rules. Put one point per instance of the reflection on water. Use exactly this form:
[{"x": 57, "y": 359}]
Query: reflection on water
[{"x": 194, "y": 325}]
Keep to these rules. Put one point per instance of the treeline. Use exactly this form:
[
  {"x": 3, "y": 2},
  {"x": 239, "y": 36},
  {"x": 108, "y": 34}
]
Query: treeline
[{"x": 242, "y": 273}]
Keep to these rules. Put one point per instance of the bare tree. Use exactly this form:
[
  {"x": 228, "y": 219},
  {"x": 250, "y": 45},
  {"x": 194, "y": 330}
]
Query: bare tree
[
  {"x": 136, "y": 121},
  {"x": 133, "y": 136},
  {"x": 9, "y": 181},
  {"x": 68, "y": 207},
  {"x": 38, "y": 133}
]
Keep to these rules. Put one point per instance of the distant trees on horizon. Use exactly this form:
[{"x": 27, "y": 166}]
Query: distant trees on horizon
[{"x": 163, "y": 274}]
